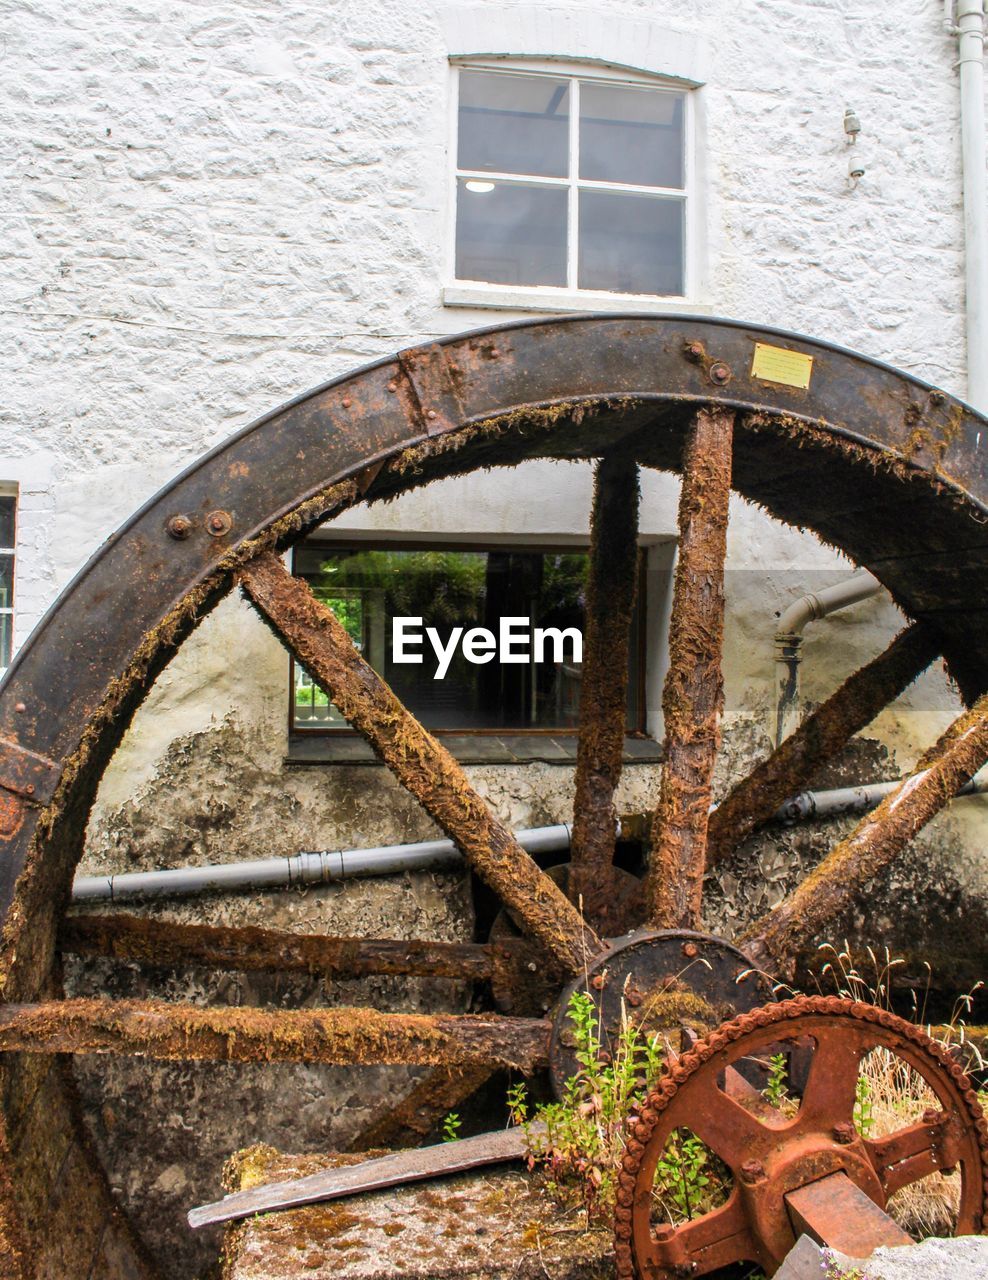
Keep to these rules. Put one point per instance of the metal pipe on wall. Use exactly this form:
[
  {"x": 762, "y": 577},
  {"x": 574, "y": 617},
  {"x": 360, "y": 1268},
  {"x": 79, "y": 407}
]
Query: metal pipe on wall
[
  {"x": 970, "y": 33},
  {"x": 321, "y": 867},
  {"x": 789, "y": 640}
]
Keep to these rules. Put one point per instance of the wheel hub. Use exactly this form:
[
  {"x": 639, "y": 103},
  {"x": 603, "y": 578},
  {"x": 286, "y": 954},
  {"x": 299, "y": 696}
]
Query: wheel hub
[{"x": 659, "y": 980}]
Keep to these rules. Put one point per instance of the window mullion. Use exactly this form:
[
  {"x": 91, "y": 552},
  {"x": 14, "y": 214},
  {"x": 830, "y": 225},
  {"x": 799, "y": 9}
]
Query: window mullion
[{"x": 573, "y": 207}]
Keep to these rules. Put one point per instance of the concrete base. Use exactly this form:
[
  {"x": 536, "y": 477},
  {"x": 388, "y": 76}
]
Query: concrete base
[
  {"x": 963, "y": 1258},
  {"x": 470, "y": 1227}
]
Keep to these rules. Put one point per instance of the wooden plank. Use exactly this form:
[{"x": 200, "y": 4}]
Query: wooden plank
[
  {"x": 251, "y": 949},
  {"x": 610, "y": 599},
  {"x": 321, "y": 645},
  {"x": 693, "y": 696},
  {"x": 339, "y": 1036}
]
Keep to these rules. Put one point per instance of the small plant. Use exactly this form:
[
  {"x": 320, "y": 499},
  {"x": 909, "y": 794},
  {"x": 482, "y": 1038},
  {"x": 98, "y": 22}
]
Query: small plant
[
  {"x": 451, "y": 1127},
  {"x": 864, "y": 1115},
  {"x": 834, "y": 1271},
  {"x": 518, "y": 1103},
  {"x": 776, "y": 1093},
  {"x": 581, "y": 1147},
  {"x": 685, "y": 1176}
]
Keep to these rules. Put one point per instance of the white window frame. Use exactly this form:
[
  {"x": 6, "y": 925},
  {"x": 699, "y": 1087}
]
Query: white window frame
[
  {"x": 7, "y": 611},
  {"x": 475, "y": 293}
]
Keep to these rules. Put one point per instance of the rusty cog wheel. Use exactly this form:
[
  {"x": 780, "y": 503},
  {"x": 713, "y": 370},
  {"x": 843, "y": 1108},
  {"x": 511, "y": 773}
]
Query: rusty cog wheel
[{"x": 772, "y": 1154}]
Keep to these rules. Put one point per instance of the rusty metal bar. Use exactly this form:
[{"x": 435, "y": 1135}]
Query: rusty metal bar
[
  {"x": 425, "y": 768},
  {"x": 836, "y": 1213},
  {"x": 777, "y": 940},
  {"x": 248, "y": 949},
  {"x": 340, "y": 1036},
  {"x": 693, "y": 696},
  {"x": 410, "y": 1121},
  {"x": 821, "y": 735},
  {"x": 610, "y": 598}
]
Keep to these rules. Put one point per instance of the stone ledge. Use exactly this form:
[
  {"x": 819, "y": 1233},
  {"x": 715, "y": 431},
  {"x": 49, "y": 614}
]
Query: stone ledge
[{"x": 469, "y": 1227}]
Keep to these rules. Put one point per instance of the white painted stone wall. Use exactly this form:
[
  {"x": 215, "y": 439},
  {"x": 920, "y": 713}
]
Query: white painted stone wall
[{"x": 210, "y": 207}]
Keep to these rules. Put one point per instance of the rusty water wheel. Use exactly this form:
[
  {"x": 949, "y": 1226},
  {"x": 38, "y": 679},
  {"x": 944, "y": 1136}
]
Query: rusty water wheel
[
  {"x": 777, "y": 1159},
  {"x": 874, "y": 461}
]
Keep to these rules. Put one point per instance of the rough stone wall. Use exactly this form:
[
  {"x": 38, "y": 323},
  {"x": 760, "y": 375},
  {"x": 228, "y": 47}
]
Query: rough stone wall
[{"x": 213, "y": 207}]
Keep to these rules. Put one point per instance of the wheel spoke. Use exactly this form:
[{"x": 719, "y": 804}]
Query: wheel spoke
[
  {"x": 830, "y": 1091},
  {"x": 692, "y": 698},
  {"x": 778, "y": 939},
  {"x": 250, "y": 949},
  {"x": 410, "y": 1121},
  {"x": 321, "y": 645},
  {"x": 610, "y": 599},
  {"x": 915, "y": 1152},
  {"x": 821, "y": 735},
  {"x": 714, "y": 1240},
  {"x": 727, "y": 1128},
  {"x": 339, "y": 1037}
]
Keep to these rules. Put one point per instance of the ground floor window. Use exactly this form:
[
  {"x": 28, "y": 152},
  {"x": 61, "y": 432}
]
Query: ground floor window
[
  {"x": 8, "y": 514},
  {"x": 532, "y": 684}
]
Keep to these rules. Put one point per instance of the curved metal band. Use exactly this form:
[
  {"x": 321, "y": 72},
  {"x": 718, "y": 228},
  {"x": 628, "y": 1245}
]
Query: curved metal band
[{"x": 923, "y": 443}]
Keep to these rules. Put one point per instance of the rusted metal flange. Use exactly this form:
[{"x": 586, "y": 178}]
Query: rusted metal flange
[{"x": 660, "y": 981}]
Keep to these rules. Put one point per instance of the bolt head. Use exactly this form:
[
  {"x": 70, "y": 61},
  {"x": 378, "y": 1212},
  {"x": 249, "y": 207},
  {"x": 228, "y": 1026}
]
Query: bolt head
[
  {"x": 20, "y": 707},
  {"x": 932, "y": 1115},
  {"x": 598, "y": 982},
  {"x": 179, "y": 528},
  {"x": 634, "y": 998},
  {"x": 218, "y": 523},
  {"x": 392, "y": 387},
  {"x": 694, "y": 351},
  {"x": 720, "y": 373},
  {"x": 752, "y": 1171},
  {"x": 346, "y": 402},
  {"x": 690, "y": 950},
  {"x": 844, "y": 1132}
]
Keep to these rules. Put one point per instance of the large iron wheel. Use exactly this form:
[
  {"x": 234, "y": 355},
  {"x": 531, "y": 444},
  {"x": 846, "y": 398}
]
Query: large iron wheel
[{"x": 841, "y": 456}]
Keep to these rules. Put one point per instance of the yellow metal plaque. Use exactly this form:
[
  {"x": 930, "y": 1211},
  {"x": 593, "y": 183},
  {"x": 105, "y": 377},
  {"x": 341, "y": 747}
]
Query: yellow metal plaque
[{"x": 776, "y": 364}]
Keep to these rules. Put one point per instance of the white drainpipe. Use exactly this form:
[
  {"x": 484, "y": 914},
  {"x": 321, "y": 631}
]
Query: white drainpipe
[
  {"x": 970, "y": 31},
  {"x": 789, "y": 640}
]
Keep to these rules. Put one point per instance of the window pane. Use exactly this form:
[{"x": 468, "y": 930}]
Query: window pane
[
  {"x": 514, "y": 124},
  {"x": 631, "y": 135},
  {"x": 631, "y": 244},
  {"x": 511, "y": 234},
  {"x": 7, "y": 507},
  {"x": 6, "y": 628},
  {"x": 467, "y": 589},
  {"x": 6, "y": 582}
]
